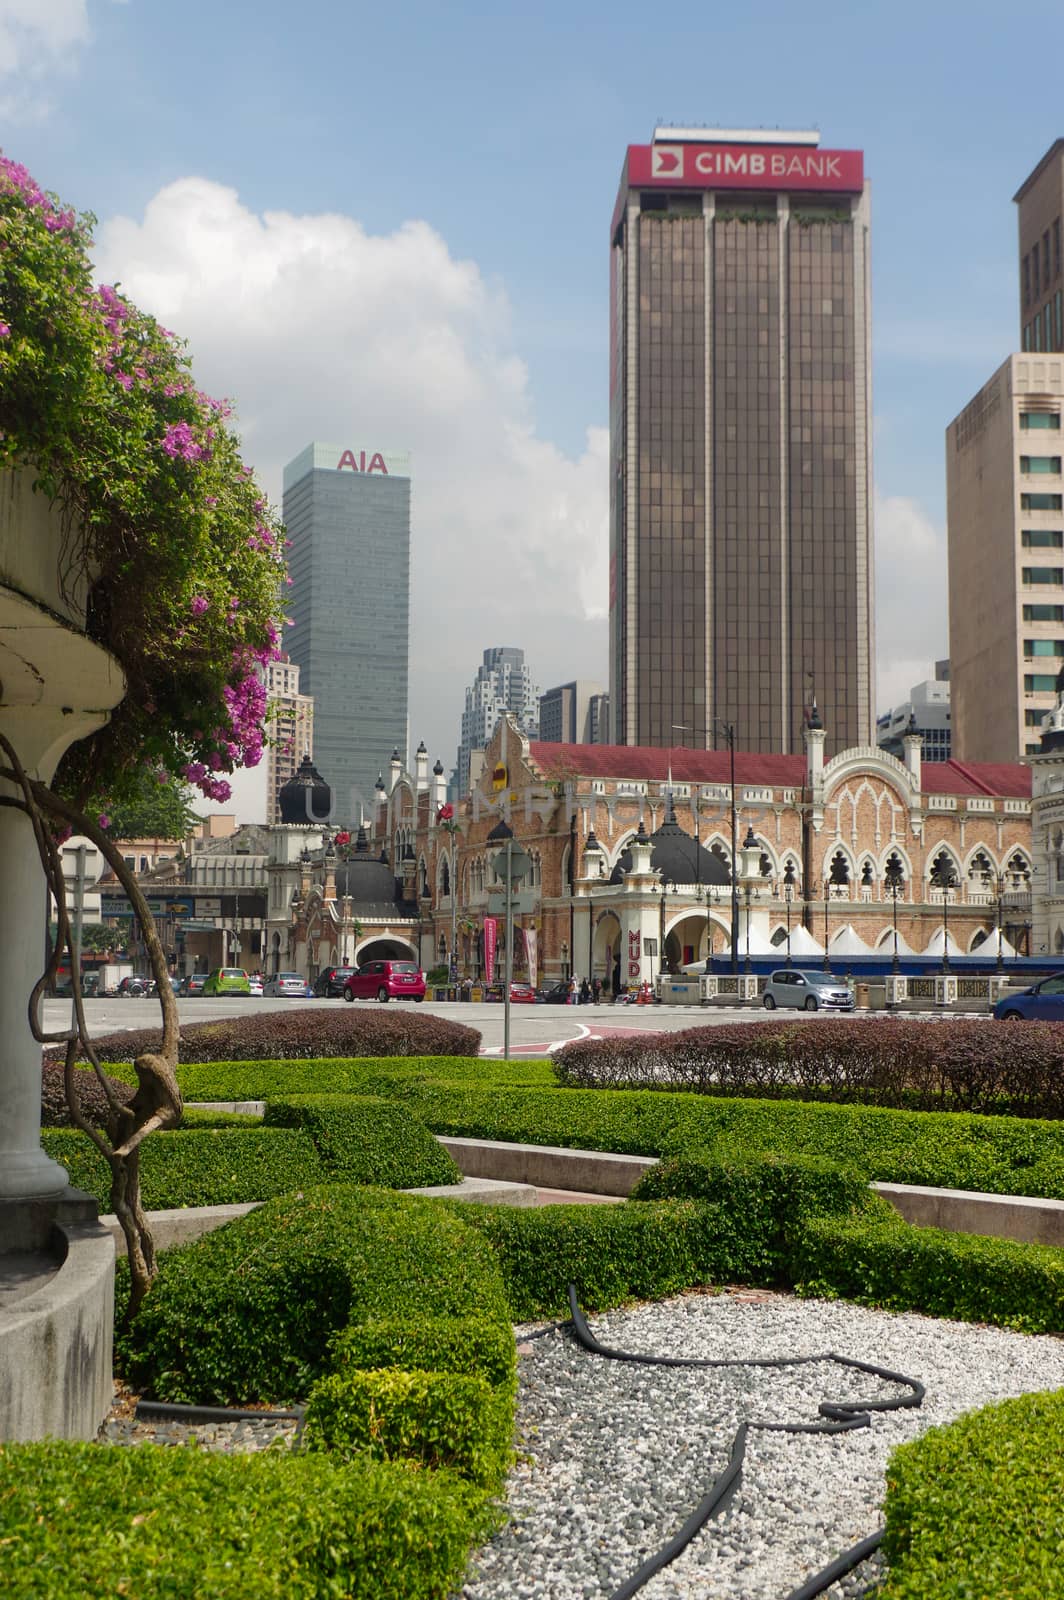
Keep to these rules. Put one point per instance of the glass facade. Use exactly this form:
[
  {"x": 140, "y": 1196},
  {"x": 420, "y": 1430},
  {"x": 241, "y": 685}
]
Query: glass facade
[
  {"x": 350, "y": 608},
  {"x": 741, "y": 573}
]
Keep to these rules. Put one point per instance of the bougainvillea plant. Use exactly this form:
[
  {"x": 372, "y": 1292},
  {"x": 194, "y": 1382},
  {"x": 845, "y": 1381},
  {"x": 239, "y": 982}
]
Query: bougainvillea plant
[
  {"x": 180, "y": 564},
  {"x": 183, "y": 556}
]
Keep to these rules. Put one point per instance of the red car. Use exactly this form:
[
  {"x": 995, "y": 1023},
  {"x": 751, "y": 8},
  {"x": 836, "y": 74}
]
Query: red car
[
  {"x": 522, "y": 994},
  {"x": 386, "y": 980}
]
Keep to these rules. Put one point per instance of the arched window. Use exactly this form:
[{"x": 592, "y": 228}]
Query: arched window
[
  {"x": 839, "y": 874},
  {"x": 894, "y": 875},
  {"x": 943, "y": 874},
  {"x": 445, "y": 879},
  {"x": 866, "y": 875}
]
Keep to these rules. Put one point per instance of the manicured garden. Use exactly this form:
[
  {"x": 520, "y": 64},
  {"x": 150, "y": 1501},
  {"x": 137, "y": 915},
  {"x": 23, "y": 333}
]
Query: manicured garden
[{"x": 391, "y": 1317}]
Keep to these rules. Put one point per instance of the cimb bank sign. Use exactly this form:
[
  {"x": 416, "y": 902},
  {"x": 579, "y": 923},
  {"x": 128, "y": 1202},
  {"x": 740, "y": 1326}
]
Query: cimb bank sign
[{"x": 732, "y": 166}]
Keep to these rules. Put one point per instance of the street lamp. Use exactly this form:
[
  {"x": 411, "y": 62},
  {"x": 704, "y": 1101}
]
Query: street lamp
[
  {"x": 592, "y": 860},
  {"x": 788, "y": 895},
  {"x": 827, "y": 892},
  {"x": 996, "y": 881},
  {"x": 894, "y": 878},
  {"x": 728, "y": 729},
  {"x": 662, "y": 886},
  {"x": 515, "y": 863},
  {"x": 751, "y": 870},
  {"x": 943, "y": 878}
]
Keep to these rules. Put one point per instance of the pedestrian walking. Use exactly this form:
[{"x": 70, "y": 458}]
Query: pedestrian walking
[
  {"x": 596, "y": 989},
  {"x": 585, "y": 992}
]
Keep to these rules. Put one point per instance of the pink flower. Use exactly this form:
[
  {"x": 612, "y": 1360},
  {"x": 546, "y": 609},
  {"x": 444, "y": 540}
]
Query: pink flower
[
  {"x": 104, "y": 820},
  {"x": 198, "y": 605},
  {"x": 5, "y": 330}
]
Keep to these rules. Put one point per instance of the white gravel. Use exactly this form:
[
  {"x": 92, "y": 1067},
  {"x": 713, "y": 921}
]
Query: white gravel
[{"x": 615, "y": 1456}]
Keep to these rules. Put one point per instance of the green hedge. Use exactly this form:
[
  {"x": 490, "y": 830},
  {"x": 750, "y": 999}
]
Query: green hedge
[
  {"x": 976, "y": 1509},
  {"x": 880, "y": 1260},
  {"x": 247, "y": 1313},
  {"x": 470, "y": 1344},
  {"x": 259, "y": 1080},
  {"x": 365, "y": 1139},
  {"x": 197, "y": 1166},
  {"x": 81, "y": 1521}
]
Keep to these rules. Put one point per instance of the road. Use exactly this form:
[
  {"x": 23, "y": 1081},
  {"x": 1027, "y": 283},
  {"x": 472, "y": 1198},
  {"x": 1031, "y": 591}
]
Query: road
[{"x": 534, "y": 1030}]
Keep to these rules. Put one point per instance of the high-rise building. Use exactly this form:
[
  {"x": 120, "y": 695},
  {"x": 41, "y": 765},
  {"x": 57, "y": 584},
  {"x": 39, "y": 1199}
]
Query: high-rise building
[
  {"x": 503, "y": 683},
  {"x": 1040, "y": 206},
  {"x": 570, "y": 713},
  {"x": 348, "y": 516},
  {"x": 1005, "y": 517},
  {"x": 289, "y": 729},
  {"x": 741, "y": 574},
  {"x": 926, "y": 712}
]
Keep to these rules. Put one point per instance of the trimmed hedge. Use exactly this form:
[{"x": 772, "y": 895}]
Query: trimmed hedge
[
  {"x": 82, "y": 1521},
  {"x": 305, "y": 1032},
  {"x": 880, "y": 1260},
  {"x": 259, "y": 1080},
  {"x": 1008, "y": 1155},
  {"x": 54, "y": 1110},
  {"x": 887, "y": 1061},
  {"x": 976, "y": 1508},
  {"x": 364, "y": 1139},
  {"x": 248, "y": 1313},
  {"x": 197, "y": 1166}
]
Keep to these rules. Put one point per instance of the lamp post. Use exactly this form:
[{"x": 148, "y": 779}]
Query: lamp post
[
  {"x": 788, "y": 895},
  {"x": 592, "y": 862},
  {"x": 827, "y": 892},
  {"x": 728, "y": 729},
  {"x": 895, "y": 881},
  {"x": 662, "y": 886},
  {"x": 943, "y": 878},
  {"x": 996, "y": 881},
  {"x": 515, "y": 864},
  {"x": 751, "y": 869}
]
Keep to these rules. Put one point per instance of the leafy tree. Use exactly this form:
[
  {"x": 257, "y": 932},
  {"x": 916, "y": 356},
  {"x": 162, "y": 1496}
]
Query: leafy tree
[{"x": 156, "y": 811}]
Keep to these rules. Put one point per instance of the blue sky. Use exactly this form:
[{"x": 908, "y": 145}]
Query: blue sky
[{"x": 389, "y": 224}]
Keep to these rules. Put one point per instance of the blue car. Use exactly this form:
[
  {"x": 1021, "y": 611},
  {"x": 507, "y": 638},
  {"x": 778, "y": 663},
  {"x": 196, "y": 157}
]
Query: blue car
[{"x": 1042, "y": 1002}]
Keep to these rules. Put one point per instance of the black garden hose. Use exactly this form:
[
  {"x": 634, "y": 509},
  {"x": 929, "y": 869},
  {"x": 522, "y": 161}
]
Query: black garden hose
[{"x": 839, "y": 1416}]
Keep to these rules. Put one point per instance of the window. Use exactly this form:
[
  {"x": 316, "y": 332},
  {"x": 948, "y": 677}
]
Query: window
[
  {"x": 1033, "y": 719},
  {"x": 1043, "y": 647},
  {"x": 1040, "y": 682},
  {"x": 1045, "y": 259},
  {"x": 1040, "y": 419},
  {"x": 1056, "y": 248},
  {"x": 1043, "y": 575},
  {"x": 1042, "y": 538},
  {"x": 1034, "y": 273},
  {"x": 1027, "y": 336},
  {"x": 1026, "y": 281},
  {"x": 1058, "y": 301},
  {"x": 1039, "y": 464},
  {"x": 1041, "y": 502},
  {"x": 1047, "y": 319},
  {"x": 1032, "y": 749},
  {"x": 1043, "y": 613}
]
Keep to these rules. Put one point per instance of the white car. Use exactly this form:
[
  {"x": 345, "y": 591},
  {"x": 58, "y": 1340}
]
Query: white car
[
  {"x": 254, "y": 984},
  {"x": 285, "y": 985}
]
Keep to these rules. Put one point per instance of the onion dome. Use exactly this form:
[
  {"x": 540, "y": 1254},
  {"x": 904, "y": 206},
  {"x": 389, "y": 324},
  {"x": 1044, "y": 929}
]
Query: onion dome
[
  {"x": 676, "y": 856},
  {"x": 306, "y": 797},
  {"x": 438, "y": 768}
]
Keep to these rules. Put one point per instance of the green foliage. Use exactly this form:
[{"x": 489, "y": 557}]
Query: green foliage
[
  {"x": 879, "y": 1260},
  {"x": 976, "y": 1509},
  {"x": 438, "y": 1419},
  {"x": 472, "y": 1344},
  {"x": 81, "y": 1522},
  {"x": 262, "y": 1080},
  {"x": 154, "y": 810},
  {"x": 248, "y": 1312},
  {"x": 364, "y": 1139},
  {"x": 197, "y": 1166},
  {"x": 182, "y": 557},
  {"x": 612, "y": 1253}
]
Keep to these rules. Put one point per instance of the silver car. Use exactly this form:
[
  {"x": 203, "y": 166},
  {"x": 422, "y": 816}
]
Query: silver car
[{"x": 809, "y": 991}]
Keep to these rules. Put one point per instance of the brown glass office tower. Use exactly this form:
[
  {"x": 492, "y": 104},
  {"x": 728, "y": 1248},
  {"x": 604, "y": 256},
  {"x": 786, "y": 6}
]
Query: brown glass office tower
[{"x": 741, "y": 579}]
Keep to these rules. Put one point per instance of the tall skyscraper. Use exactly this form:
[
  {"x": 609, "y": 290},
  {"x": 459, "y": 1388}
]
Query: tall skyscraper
[
  {"x": 503, "y": 683},
  {"x": 570, "y": 713},
  {"x": 347, "y": 510},
  {"x": 1005, "y": 507},
  {"x": 741, "y": 573},
  {"x": 289, "y": 729}
]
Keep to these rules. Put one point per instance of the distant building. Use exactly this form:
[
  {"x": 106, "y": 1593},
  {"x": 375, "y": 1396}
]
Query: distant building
[
  {"x": 926, "y": 712},
  {"x": 1040, "y": 206},
  {"x": 289, "y": 730},
  {"x": 503, "y": 683},
  {"x": 571, "y": 713},
  {"x": 347, "y": 511}
]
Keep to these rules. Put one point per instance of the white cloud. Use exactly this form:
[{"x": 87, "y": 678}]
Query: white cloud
[
  {"x": 39, "y": 40},
  {"x": 912, "y": 625},
  {"x": 321, "y": 330}
]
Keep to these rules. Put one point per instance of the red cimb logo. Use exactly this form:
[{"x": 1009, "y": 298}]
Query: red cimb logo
[
  {"x": 358, "y": 463},
  {"x": 667, "y": 160}
]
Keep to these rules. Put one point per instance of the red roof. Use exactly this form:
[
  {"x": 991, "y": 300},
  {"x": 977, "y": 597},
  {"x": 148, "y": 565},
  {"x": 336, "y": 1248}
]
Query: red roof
[{"x": 636, "y": 763}]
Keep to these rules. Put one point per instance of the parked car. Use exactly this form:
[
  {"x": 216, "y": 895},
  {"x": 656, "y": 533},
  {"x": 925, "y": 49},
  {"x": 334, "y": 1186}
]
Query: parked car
[
  {"x": 285, "y": 986},
  {"x": 386, "y": 980},
  {"x": 554, "y": 994},
  {"x": 522, "y": 994},
  {"x": 1042, "y": 1002},
  {"x": 255, "y": 984},
  {"x": 193, "y": 984},
  {"x": 227, "y": 980},
  {"x": 810, "y": 991},
  {"x": 331, "y": 981},
  {"x": 133, "y": 988}
]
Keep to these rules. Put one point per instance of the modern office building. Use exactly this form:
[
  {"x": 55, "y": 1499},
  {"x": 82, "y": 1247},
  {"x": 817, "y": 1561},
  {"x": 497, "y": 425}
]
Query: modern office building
[
  {"x": 1005, "y": 516},
  {"x": 926, "y": 712},
  {"x": 741, "y": 573},
  {"x": 503, "y": 683},
  {"x": 289, "y": 729},
  {"x": 347, "y": 509},
  {"x": 572, "y": 713},
  {"x": 1040, "y": 206}
]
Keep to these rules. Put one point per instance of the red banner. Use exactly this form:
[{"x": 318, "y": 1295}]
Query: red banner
[
  {"x": 490, "y": 936},
  {"x": 745, "y": 166}
]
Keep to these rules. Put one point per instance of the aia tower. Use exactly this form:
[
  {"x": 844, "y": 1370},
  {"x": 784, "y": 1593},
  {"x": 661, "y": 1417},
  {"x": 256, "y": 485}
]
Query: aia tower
[
  {"x": 741, "y": 573},
  {"x": 347, "y": 511}
]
